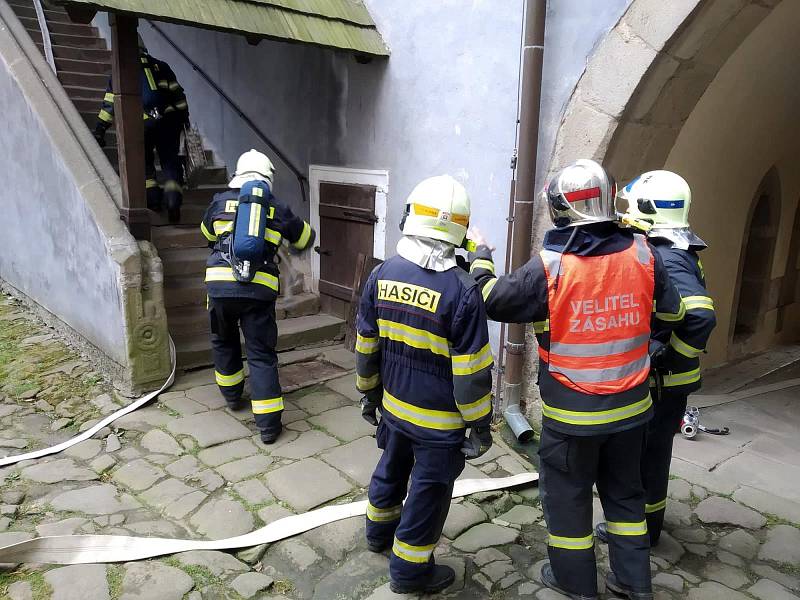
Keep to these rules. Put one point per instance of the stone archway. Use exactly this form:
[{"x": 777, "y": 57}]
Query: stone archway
[{"x": 753, "y": 296}]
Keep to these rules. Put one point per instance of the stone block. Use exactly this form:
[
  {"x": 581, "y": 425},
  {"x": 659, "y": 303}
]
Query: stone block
[
  {"x": 94, "y": 500},
  {"x": 711, "y": 590},
  {"x": 78, "y": 582},
  {"x": 615, "y": 70},
  {"x": 138, "y": 475},
  {"x": 741, "y": 543},
  {"x": 461, "y": 517},
  {"x": 344, "y": 423},
  {"x": 782, "y": 545},
  {"x": 245, "y": 468},
  {"x": 725, "y": 574},
  {"x": 207, "y": 395},
  {"x": 706, "y": 25},
  {"x": 585, "y": 132},
  {"x": 56, "y": 471},
  {"x": 766, "y": 502},
  {"x": 727, "y": 512},
  {"x": 209, "y": 428},
  {"x": 183, "y": 506},
  {"x": 85, "y": 450},
  {"x": 356, "y": 459},
  {"x": 219, "y": 563},
  {"x": 183, "y": 405},
  {"x": 697, "y": 475},
  {"x": 485, "y": 535},
  {"x": 223, "y": 453},
  {"x": 222, "y": 518},
  {"x": 656, "y": 21},
  {"x": 159, "y": 442},
  {"x": 336, "y": 540},
  {"x": 166, "y": 492},
  {"x": 248, "y": 585},
  {"x": 765, "y": 589},
  {"x": 307, "y": 483},
  {"x": 253, "y": 491},
  {"x": 323, "y": 400},
  {"x": 154, "y": 581},
  {"x": 307, "y": 444}
]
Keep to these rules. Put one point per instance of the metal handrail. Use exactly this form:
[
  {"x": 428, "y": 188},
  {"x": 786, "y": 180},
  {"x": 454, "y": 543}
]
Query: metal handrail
[
  {"x": 48, "y": 45},
  {"x": 301, "y": 179}
]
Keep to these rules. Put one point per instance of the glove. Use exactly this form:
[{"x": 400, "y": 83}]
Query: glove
[
  {"x": 100, "y": 136},
  {"x": 478, "y": 442},
  {"x": 657, "y": 352},
  {"x": 369, "y": 406}
]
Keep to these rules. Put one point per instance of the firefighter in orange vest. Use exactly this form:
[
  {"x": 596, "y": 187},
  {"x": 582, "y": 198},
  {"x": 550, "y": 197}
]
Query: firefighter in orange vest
[{"x": 594, "y": 293}]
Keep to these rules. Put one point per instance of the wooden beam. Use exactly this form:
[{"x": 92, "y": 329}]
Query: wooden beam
[{"x": 125, "y": 75}]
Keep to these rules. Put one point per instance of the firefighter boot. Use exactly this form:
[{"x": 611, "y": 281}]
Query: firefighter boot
[
  {"x": 549, "y": 580},
  {"x": 442, "y": 577},
  {"x": 601, "y": 532},
  {"x": 268, "y": 436},
  {"x": 623, "y": 591}
]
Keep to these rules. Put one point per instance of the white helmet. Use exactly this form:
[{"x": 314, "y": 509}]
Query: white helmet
[
  {"x": 438, "y": 208},
  {"x": 580, "y": 194},
  {"x": 252, "y": 166},
  {"x": 661, "y": 198}
]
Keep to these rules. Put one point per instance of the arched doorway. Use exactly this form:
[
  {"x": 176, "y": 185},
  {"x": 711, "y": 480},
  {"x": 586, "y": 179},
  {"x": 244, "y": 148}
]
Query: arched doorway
[{"x": 758, "y": 251}]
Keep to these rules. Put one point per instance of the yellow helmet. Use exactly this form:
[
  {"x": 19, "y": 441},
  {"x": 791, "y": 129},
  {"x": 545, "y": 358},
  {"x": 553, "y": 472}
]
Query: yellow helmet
[
  {"x": 661, "y": 198},
  {"x": 438, "y": 208}
]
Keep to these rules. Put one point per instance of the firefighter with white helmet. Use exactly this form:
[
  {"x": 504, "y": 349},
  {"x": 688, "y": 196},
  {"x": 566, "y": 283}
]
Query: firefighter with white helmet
[
  {"x": 242, "y": 293},
  {"x": 590, "y": 293},
  {"x": 423, "y": 358},
  {"x": 662, "y": 199}
]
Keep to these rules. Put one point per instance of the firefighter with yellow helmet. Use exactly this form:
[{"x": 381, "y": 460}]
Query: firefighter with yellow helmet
[
  {"x": 423, "y": 358},
  {"x": 662, "y": 199}
]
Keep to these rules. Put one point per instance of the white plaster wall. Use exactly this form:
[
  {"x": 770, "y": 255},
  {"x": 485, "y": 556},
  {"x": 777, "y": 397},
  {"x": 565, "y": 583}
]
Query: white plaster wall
[{"x": 744, "y": 124}]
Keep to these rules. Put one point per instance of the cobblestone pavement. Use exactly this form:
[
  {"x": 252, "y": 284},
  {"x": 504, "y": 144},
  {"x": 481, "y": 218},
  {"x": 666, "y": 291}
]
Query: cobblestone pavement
[{"x": 189, "y": 467}]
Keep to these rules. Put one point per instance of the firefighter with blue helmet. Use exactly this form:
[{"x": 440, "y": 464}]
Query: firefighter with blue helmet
[
  {"x": 423, "y": 358},
  {"x": 242, "y": 293},
  {"x": 661, "y": 200},
  {"x": 166, "y": 112},
  {"x": 594, "y": 294}
]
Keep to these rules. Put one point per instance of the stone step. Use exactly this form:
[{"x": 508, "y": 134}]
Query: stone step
[
  {"x": 83, "y": 66},
  {"x": 183, "y": 290},
  {"x": 91, "y": 81},
  {"x": 203, "y": 194},
  {"x": 169, "y": 236},
  {"x": 27, "y": 11},
  {"x": 184, "y": 261},
  {"x": 82, "y": 41},
  {"x": 187, "y": 321},
  {"x": 195, "y": 351},
  {"x": 72, "y": 53},
  {"x": 59, "y": 27},
  {"x": 191, "y": 214}
]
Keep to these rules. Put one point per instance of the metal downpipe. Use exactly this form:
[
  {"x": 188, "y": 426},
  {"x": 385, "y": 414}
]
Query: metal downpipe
[{"x": 532, "y": 65}]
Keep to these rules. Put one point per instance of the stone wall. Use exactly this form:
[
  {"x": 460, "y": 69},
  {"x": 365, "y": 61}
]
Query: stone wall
[{"x": 65, "y": 248}]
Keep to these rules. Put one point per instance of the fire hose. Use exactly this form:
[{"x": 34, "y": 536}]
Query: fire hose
[{"x": 83, "y": 549}]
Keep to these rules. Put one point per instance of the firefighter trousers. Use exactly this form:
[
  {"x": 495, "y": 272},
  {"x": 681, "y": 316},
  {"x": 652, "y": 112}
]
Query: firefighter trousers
[
  {"x": 411, "y": 529},
  {"x": 163, "y": 137},
  {"x": 669, "y": 410},
  {"x": 569, "y": 467},
  {"x": 257, "y": 321}
]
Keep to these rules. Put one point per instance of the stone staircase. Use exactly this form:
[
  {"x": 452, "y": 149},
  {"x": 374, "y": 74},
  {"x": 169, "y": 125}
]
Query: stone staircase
[{"x": 83, "y": 63}]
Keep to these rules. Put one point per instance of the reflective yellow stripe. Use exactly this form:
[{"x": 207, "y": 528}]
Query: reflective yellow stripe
[
  {"x": 409, "y": 553},
  {"x": 683, "y": 348},
  {"x": 172, "y": 186},
  {"x": 367, "y": 383},
  {"x": 671, "y": 317},
  {"x": 109, "y": 97},
  {"x": 367, "y": 345},
  {"x": 105, "y": 116},
  {"x": 169, "y": 109},
  {"x": 226, "y": 274},
  {"x": 255, "y": 219},
  {"x": 265, "y": 407},
  {"x": 652, "y": 508},
  {"x": 150, "y": 183},
  {"x": 149, "y": 74},
  {"x": 301, "y": 243},
  {"x": 599, "y": 417},
  {"x": 541, "y": 326},
  {"x": 229, "y": 380},
  {"x": 423, "y": 417},
  {"x": 174, "y": 85},
  {"x": 571, "y": 543},
  {"x": 163, "y": 84},
  {"x": 677, "y": 379},
  {"x": 208, "y": 235},
  {"x": 383, "y": 515},
  {"x": 639, "y": 528},
  {"x": 482, "y": 263},
  {"x": 411, "y": 336},
  {"x": 698, "y": 302},
  {"x": 467, "y": 364},
  {"x": 181, "y": 105},
  {"x": 478, "y": 409},
  {"x": 487, "y": 289},
  {"x": 272, "y": 236},
  {"x": 223, "y": 227}
]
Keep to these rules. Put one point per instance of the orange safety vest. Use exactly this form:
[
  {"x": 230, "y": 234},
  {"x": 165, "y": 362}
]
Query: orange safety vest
[{"x": 600, "y": 312}]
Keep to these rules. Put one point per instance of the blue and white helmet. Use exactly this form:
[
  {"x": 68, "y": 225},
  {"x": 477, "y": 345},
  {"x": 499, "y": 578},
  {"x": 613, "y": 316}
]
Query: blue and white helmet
[{"x": 661, "y": 198}]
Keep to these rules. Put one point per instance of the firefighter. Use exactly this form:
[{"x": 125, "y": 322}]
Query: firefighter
[
  {"x": 591, "y": 294},
  {"x": 423, "y": 357},
  {"x": 662, "y": 199},
  {"x": 165, "y": 115},
  {"x": 233, "y": 304}
]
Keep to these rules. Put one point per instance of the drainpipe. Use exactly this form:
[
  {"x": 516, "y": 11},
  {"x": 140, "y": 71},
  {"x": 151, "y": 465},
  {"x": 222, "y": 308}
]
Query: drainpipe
[{"x": 532, "y": 63}]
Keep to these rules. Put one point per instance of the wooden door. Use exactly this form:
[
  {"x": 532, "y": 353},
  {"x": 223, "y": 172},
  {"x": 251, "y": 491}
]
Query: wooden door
[{"x": 346, "y": 222}]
